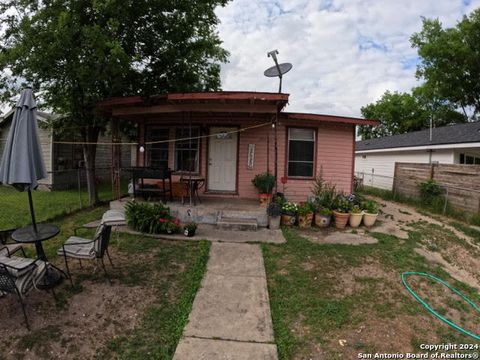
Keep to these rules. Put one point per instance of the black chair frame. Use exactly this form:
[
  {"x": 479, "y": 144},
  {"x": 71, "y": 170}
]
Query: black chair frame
[
  {"x": 7, "y": 285},
  {"x": 104, "y": 239}
]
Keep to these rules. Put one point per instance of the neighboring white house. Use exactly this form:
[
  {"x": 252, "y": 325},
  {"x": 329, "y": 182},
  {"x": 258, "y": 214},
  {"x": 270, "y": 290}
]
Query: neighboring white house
[{"x": 453, "y": 144}]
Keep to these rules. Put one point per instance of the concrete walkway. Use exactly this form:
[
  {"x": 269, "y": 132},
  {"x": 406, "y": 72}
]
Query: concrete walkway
[{"x": 230, "y": 318}]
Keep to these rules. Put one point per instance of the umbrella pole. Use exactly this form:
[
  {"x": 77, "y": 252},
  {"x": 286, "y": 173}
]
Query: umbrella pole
[{"x": 32, "y": 213}]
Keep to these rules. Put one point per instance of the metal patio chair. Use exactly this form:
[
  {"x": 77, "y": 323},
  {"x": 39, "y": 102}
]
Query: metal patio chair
[
  {"x": 7, "y": 247},
  {"x": 85, "y": 249},
  {"x": 19, "y": 276}
]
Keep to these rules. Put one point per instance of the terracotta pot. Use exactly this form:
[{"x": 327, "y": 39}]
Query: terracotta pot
[
  {"x": 341, "y": 219},
  {"x": 322, "y": 221},
  {"x": 355, "y": 219},
  {"x": 369, "y": 219},
  {"x": 274, "y": 222},
  {"x": 305, "y": 221},
  {"x": 288, "y": 220},
  {"x": 265, "y": 199}
]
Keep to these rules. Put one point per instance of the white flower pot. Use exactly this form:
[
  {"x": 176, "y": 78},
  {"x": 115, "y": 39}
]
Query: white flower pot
[
  {"x": 369, "y": 219},
  {"x": 355, "y": 219}
]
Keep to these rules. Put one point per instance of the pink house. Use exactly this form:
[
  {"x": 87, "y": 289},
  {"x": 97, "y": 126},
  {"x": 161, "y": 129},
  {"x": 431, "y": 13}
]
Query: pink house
[{"x": 229, "y": 137}]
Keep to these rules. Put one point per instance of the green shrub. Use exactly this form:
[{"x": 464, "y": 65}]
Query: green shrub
[
  {"x": 264, "y": 183},
  {"x": 342, "y": 204},
  {"x": 371, "y": 207},
  {"x": 324, "y": 192},
  {"x": 430, "y": 191},
  {"x": 151, "y": 218},
  {"x": 305, "y": 208}
]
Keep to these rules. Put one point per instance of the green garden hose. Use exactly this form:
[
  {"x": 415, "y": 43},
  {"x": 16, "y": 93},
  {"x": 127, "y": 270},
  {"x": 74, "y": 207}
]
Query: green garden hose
[{"x": 432, "y": 311}]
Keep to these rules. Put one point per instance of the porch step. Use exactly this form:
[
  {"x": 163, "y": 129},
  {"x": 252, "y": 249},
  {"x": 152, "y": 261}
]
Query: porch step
[
  {"x": 226, "y": 223},
  {"x": 257, "y": 214}
]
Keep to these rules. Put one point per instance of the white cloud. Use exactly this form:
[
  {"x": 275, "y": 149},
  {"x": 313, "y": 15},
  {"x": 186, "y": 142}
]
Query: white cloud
[{"x": 345, "y": 53}]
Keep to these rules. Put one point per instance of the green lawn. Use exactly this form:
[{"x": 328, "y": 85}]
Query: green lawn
[
  {"x": 321, "y": 295},
  {"x": 168, "y": 273},
  {"x": 14, "y": 211}
]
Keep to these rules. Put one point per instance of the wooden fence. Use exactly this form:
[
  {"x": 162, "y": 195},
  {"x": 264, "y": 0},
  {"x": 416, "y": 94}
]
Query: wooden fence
[{"x": 461, "y": 183}]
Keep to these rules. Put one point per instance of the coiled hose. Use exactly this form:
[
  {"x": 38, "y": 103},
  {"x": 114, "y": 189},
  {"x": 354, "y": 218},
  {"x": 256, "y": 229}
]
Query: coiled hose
[{"x": 431, "y": 310}]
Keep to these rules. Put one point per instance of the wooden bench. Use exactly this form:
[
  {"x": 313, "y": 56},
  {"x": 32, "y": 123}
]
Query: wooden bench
[{"x": 139, "y": 174}]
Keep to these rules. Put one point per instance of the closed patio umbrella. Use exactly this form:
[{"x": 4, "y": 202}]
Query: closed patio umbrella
[{"x": 22, "y": 163}]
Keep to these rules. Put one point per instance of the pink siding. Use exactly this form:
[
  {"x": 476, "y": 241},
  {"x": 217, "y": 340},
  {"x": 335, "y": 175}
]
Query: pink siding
[{"x": 334, "y": 157}]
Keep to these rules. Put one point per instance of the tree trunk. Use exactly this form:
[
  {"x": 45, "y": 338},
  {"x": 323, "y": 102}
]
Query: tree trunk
[{"x": 89, "y": 152}]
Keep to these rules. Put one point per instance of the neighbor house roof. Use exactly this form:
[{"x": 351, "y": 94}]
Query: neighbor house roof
[
  {"x": 41, "y": 116},
  {"x": 451, "y": 134}
]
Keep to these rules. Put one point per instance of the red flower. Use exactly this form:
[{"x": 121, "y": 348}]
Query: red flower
[
  {"x": 177, "y": 221},
  {"x": 162, "y": 220}
]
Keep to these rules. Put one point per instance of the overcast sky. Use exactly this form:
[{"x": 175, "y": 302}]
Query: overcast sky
[{"x": 345, "y": 53}]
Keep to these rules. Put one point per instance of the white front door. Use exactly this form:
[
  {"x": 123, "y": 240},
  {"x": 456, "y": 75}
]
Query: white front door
[{"x": 222, "y": 159}]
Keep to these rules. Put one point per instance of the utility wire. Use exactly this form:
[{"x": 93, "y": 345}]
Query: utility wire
[{"x": 161, "y": 141}]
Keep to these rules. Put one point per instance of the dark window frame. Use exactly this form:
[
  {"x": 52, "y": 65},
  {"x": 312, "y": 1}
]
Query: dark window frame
[
  {"x": 198, "y": 149},
  {"x": 287, "y": 155},
  {"x": 157, "y": 147}
]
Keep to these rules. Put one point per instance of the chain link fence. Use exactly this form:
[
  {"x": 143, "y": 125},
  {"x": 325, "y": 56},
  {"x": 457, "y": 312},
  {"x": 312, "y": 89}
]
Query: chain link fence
[{"x": 60, "y": 193}]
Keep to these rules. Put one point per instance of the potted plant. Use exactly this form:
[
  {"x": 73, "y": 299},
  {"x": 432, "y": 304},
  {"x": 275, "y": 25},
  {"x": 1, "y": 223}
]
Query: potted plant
[
  {"x": 189, "y": 229},
  {"x": 264, "y": 184},
  {"x": 341, "y": 212},
  {"x": 322, "y": 217},
  {"x": 370, "y": 213},
  {"x": 274, "y": 212},
  {"x": 305, "y": 215},
  {"x": 356, "y": 215},
  {"x": 289, "y": 212}
]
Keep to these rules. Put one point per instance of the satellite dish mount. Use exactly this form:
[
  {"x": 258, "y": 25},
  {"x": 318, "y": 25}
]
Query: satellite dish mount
[{"x": 278, "y": 70}]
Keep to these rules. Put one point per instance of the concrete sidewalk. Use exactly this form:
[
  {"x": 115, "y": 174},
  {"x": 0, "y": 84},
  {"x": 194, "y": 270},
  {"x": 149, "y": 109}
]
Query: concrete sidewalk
[{"x": 230, "y": 318}]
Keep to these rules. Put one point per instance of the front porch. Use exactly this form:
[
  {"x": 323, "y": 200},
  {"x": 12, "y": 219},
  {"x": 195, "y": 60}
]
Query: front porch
[{"x": 232, "y": 213}]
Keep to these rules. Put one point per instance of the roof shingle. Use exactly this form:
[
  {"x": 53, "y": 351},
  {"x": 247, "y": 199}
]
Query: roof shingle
[{"x": 451, "y": 134}]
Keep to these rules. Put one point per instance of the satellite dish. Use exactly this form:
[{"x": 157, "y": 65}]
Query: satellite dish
[
  {"x": 273, "y": 71},
  {"x": 278, "y": 70}
]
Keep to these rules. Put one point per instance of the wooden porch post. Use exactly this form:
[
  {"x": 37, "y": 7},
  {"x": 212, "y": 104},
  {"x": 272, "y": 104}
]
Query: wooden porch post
[
  {"x": 276, "y": 150},
  {"x": 141, "y": 141},
  {"x": 116, "y": 159}
]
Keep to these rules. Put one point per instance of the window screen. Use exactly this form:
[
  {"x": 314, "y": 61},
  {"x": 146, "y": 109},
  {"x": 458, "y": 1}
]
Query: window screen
[
  {"x": 187, "y": 151},
  {"x": 301, "y": 152},
  {"x": 157, "y": 154}
]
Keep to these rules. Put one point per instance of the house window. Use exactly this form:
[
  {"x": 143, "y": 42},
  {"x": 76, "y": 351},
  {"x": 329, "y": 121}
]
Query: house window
[
  {"x": 157, "y": 154},
  {"x": 469, "y": 159},
  {"x": 301, "y": 152},
  {"x": 187, "y": 151}
]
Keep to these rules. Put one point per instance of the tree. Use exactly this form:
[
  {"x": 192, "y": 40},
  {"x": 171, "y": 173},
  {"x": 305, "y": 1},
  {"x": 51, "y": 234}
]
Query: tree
[
  {"x": 400, "y": 113},
  {"x": 78, "y": 52},
  {"x": 451, "y": 60}
]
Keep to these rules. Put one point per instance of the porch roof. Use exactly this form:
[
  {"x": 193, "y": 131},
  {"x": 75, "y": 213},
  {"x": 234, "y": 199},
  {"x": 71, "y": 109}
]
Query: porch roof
[{"x": 136, "y": 108}]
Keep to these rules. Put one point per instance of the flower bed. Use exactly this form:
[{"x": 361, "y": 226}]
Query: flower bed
[{"x": 151, "y": 218}]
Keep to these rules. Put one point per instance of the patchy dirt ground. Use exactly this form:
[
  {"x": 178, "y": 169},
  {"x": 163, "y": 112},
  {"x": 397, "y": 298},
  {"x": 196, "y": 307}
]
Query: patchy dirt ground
[
  {"x": 335, "y": 236},
  {"x": 338, "y": 301},
  {"x": 441, "y": 243},
  {"x": 97, "y": 313}
]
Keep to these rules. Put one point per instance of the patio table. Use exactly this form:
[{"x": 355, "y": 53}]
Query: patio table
[
  {"x": 28, "y": 235},
  {"x": 194, "y": 183}
]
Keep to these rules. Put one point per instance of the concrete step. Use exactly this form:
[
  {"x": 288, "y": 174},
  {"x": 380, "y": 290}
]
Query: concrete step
[
  {"x": 237, "y": 224},
  {"x": 259, "y": 215}
]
